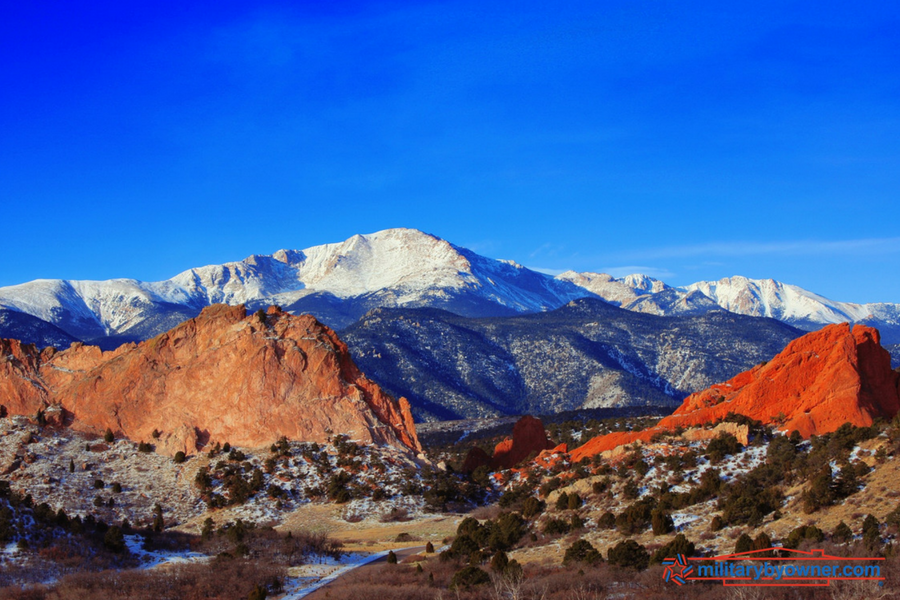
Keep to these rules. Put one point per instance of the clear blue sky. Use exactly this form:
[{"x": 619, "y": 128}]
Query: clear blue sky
[{"x": 689, "y": 140}]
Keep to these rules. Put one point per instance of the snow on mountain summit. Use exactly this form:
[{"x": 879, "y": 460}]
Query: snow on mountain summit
[
  {"x": 770, "y": 298},
  {"x": 754, "y": 297},
  {"x": 619, "y": 291},
  {"x": 404, "y": 259},
  {"x": 394, "y": 267},
  {"x": 340, "y": 282},
  {"x": 410, "y": 263}
]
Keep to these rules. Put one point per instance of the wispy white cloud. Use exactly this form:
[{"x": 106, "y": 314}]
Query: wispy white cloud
[
  {"x": 791, "y": 248},
  {"x": 546, "y": 249}
]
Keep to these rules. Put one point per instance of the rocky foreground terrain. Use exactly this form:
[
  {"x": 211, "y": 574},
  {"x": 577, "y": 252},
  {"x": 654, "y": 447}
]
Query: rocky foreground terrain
[
  {"x": 800, "y": 451},
  {"x": 119, "y": 480}
]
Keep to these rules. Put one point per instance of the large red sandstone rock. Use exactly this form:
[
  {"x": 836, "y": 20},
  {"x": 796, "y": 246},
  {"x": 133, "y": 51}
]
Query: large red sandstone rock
[
  {"x": 529, "y": 437},
  {"x": 820, "y": 381},
  {"x": 222, "y": 376}
]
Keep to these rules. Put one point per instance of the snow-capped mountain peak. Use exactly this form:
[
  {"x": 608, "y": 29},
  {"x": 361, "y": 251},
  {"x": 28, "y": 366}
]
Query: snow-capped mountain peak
[
  {"x": 394, "y": 267},
  {"x": 619, "y": 291},
  {"x": 339, "y": 282},
  {"x": 755, "y": 297},
  {"x": 770, "y": 298}
]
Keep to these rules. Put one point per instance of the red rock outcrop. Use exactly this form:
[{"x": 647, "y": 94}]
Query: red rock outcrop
[
  {"x": 529, "y": 437},
  {"x": 222, "y": 376},
  {"x": 820, "y": 381}
]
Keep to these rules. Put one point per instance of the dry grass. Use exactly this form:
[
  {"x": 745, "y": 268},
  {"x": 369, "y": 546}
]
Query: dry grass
[
  {"x": 549, "y": 581},
  {"x": 220, "y": 579},
  {"x": 368, "y": 536}
]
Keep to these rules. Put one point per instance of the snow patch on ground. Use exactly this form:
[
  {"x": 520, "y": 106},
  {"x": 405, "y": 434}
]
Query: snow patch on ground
[
  {"x": 306, "y": 579},
  {"x": 153, "y": 559},
  {"x": 681, "y": 520},
  {"x": 44, "y": 468}
]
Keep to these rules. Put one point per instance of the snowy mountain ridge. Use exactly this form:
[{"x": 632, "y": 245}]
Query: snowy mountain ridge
[
  {"x": 395, "y": 267},
  {"x": 340, "y": 282},
  {"x": 753, "y": 297}
]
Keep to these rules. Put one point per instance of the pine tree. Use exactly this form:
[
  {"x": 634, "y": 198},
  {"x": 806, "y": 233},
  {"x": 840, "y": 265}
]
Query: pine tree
[
  {"x": 207, "y": 531},
  {"x": 842, "y": 534},
  {"x": 762, "y": 542},
  {"x": 114, "y": 539},
  {"x": 629, "y": 554},
  {"x": 574, "y": 501},
  {"x": 582, "y": 551},
  {"x": 499, "y": 562},
  {"x": 679, "y": 545},
  {"x": 158, "y": 523},
  {"x": 870, "y": 530},
  {"x": 661, "y": 522}
]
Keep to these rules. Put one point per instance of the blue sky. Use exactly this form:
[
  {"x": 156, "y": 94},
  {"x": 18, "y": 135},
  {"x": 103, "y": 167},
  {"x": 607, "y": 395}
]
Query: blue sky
[{"x": 689, "y": 140}]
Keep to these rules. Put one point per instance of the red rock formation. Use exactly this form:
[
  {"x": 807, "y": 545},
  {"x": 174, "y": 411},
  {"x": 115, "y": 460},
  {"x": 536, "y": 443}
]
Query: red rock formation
[
  {"x": 550, "y": 458},
  {"x": 819, "y": 382},
  {"x": 528, "y": 437},
  {"x": 222, "y": 376}
]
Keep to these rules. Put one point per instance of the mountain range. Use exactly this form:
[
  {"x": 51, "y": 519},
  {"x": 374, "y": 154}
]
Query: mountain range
[
  {"x": 341, "y": 282},
  {"x": 463, "y": 335},
  {"x": 338, "y": 283},
  {"x": 586, "y": 354},
  {"x": 753, "y": 297}
]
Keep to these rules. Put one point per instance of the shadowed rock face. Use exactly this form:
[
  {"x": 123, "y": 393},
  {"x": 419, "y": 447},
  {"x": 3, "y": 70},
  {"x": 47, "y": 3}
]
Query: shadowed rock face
[
  {"x": 529, "y": 438},
  {"x": 820, "y": 381},
  {"x": 220, "y": 376}
]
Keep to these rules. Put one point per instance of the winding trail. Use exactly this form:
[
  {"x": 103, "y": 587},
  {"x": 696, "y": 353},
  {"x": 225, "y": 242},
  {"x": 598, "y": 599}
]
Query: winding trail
[{"x": 310, "y": 592}]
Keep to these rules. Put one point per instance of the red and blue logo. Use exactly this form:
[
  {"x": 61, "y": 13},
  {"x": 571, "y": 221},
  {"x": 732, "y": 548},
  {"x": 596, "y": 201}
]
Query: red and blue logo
[{"x": 677, "y": 569}]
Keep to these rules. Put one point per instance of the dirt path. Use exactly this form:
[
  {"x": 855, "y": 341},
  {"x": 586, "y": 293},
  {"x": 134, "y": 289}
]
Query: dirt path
[{"x": 320, "y": 593}]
